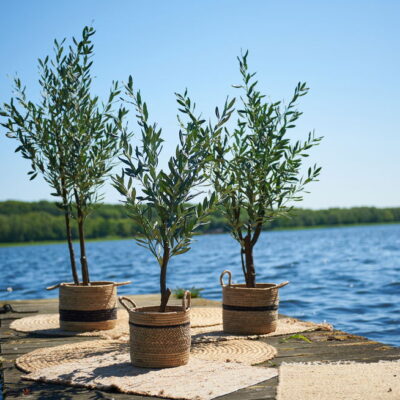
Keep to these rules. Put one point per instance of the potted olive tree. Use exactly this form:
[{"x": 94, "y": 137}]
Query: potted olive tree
[
  {"x": 168, "y": 218},
  {"x": 71, "y": 140},
  {"x": 257, "y": 171}
]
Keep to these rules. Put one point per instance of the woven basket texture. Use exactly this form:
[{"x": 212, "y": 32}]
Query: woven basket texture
[
  {"x": 99, "y": 297},
  {"x": 159, "y": 340},
  {"x": 250, "y": 321}
]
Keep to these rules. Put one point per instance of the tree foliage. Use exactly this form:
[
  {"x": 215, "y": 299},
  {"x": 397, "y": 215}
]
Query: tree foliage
[
  {"x": 69, "y": 136},
  {"x": 164, "y": 211},
  {"x": 257, "y": 167}
]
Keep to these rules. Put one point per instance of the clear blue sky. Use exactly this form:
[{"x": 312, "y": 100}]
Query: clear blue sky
[{"x": 347, "y": 51}]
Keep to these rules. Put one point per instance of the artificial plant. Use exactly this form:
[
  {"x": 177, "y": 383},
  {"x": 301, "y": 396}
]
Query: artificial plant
[
  {"x": 68, "y": 135},
  {"x": 165, "y": 211},
  {"x": 257, "y": 168}
]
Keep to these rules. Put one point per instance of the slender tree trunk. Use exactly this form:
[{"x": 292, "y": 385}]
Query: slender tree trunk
[
  {"x": 243, "y": 263},
  {"x": 84, "y": 264},
  {"x": 71, "y": 248},
  {"x": 165, "y": 292},
  {"x": 67, "y": 224},
  {"x": 257, "y": 233},
  {"x": 250, "y": 271}
]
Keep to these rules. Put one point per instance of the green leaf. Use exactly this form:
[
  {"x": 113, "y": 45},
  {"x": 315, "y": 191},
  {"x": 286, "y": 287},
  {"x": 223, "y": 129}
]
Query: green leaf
[{"x": 297, "y": 337}]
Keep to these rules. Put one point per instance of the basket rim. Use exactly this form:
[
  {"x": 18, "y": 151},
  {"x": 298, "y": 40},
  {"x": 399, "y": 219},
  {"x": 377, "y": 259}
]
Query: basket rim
[
  {"x": 142, "y": 310},
  {"x": 259, "y": 286},
  {"x": 95, "y": 284}
]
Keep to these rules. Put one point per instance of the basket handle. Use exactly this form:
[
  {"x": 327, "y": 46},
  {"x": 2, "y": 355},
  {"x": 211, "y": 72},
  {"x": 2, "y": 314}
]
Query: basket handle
[
  {"x": 124, "y": 300},
  {"x": 221, "y": 278},
  {"x": 186, "y": 300},
  {"x": 281, "y": 285},
  {"x": 55, "y": 286},
  {"x": 122, "y": 283}
]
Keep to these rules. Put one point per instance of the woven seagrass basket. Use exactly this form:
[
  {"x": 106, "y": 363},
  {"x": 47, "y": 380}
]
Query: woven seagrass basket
[
  {"x": 88, "y": 308},
  {"x": 249, "y": 311},
  {"x": 159, "y": 339}
]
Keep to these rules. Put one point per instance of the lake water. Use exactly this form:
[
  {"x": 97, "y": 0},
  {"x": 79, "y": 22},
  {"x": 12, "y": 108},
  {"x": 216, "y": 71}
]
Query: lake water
[{"x": 349, "y": 277}]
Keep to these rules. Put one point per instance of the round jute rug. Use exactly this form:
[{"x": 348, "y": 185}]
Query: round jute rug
[
  {"x": 51, "y": 356},
  {"x": 285, "y": 326},
  {"x": 248, "y": 352},
  {"x": 205, "y": 316},
  {"x": 243, "y": 351},
  {"x": 48, "y": 324}
]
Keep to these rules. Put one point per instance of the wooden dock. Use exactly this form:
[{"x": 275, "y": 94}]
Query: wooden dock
[{"x": 323, "y": 346}]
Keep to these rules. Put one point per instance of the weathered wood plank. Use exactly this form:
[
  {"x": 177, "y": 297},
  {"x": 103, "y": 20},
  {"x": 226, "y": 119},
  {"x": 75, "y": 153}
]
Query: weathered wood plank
[
  {"x": 42, "y": 391},
  {"x": 263, "y": 390},
  {"x": 18, "y": 349}
]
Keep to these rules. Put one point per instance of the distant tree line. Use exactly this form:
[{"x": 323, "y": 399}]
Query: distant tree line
[{"x": 42, "y": 220}]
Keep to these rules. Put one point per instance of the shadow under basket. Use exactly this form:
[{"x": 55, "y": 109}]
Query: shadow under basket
[
  {"x": 88, "y": 308},
  {"x": 159, "y": 339},
  {"x": 249, "y": 311}
]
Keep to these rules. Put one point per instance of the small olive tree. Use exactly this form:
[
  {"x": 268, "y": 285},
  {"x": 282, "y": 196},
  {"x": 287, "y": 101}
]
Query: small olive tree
[
  {"x": 257, "y": 168},
  {"x": 68, "y": 136},
  {"x": 164, "y": 211}
]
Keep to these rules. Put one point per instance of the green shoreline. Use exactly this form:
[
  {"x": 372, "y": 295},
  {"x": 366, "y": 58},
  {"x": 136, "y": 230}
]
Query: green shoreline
[
  {"x": 45, "y": 242},
  {"x": 111, "y": 238}
]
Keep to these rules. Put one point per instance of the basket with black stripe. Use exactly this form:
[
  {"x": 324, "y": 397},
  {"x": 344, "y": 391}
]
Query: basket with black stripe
[
  {"x": 85, "y": 308},
  {"x": 249, "y": 311},
  {"x": 159, "y": 339}
]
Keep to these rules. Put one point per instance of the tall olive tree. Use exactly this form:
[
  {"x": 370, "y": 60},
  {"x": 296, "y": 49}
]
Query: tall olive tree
[
  {"x": 257, "y": 167},
  {"x": 165, "y": 210},
  {"x": 68, "y": 135}
]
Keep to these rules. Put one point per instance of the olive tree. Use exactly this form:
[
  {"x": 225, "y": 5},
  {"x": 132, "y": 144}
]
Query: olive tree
[
  {"x": 257, "y": 168},
  {"x": 68, "y": 136},
  {"x": 164, "y": 210}
]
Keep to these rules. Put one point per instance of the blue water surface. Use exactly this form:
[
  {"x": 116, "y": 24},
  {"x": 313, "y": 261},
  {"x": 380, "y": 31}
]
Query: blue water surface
[{"x": 349, "y": 277}]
